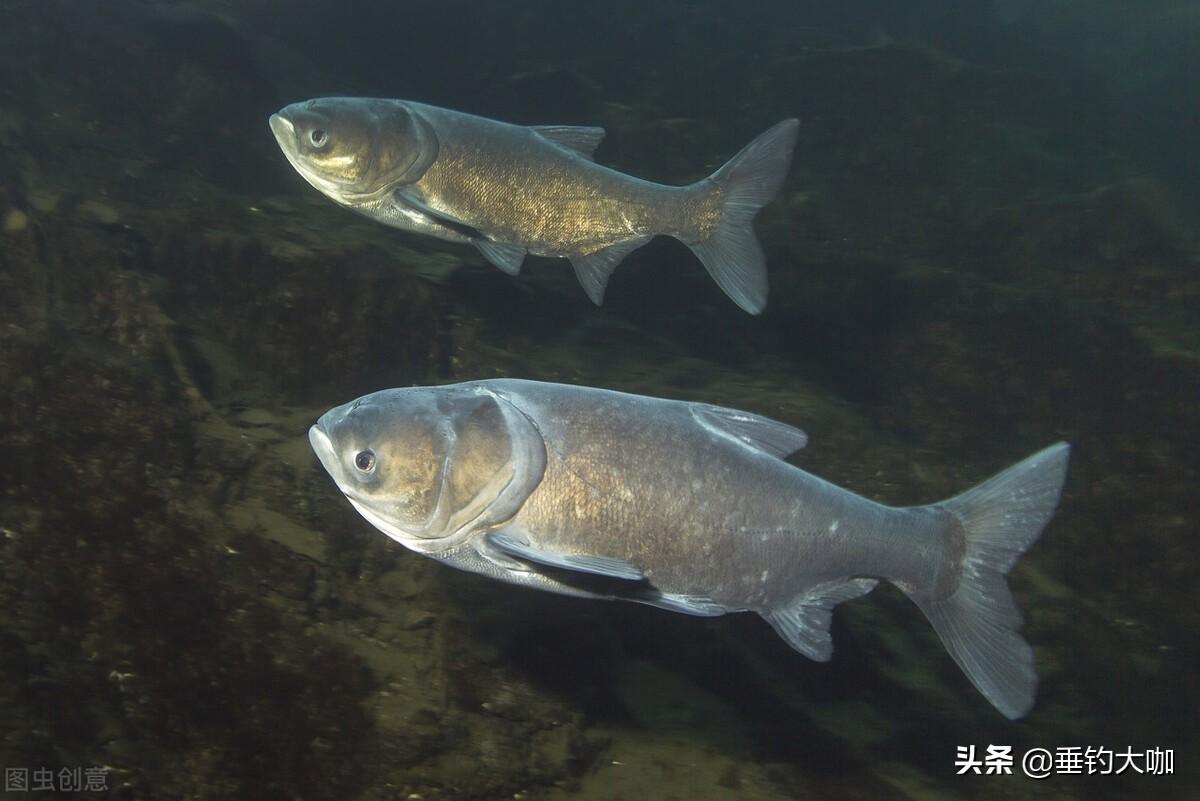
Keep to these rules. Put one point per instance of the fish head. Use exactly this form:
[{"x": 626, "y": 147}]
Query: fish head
[
  {"x": 431, "y": 466},
  {"x": 355, "y": 149}
]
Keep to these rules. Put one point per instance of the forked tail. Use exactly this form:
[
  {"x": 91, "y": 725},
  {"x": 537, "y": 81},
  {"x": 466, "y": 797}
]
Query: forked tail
[
  {"x": 978, "y": 620},
  {"x": 748, "y": 181}
]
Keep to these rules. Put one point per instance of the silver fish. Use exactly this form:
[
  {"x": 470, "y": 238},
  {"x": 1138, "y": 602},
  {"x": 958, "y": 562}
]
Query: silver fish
[
  {"x": 684, "y": 506},
  {"x": 512, "y": 189}
]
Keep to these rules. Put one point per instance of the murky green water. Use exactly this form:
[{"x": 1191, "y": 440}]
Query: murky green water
[{"x": 987, "y": 242}]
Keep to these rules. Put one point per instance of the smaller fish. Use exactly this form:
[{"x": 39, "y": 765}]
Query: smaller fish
[
  {"x": 510, "y": 190},
  {"x": 687, "y": 507}
]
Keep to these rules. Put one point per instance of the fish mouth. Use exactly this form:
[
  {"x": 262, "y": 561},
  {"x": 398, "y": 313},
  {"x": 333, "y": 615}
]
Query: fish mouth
[
  {"x": 285, "y": 135},
  {"x": 323, "y": 448},
  {"x": 285, "y": 132}
]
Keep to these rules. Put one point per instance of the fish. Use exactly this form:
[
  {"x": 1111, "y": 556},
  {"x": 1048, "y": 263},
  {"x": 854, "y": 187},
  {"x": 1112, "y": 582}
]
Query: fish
[
  {"x": 511, "y": 190},
  {"x": 685, "y": 506}
]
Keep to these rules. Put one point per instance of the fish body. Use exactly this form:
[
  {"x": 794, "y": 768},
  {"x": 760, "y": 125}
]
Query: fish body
[
  {"x": 513, "y": 189},
  {"x": 685, "y": 506}
]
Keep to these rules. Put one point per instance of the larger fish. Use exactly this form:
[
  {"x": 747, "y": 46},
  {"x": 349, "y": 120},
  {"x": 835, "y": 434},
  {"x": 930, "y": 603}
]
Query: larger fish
[
  {"x": 511, "y": 189},
  {"x": 684, "y": 506}
]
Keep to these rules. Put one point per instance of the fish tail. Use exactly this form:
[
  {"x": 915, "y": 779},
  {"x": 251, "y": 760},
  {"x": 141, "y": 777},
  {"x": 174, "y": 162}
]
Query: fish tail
[
  {"x": 976, "y": 616},
  {"x": 747, "y": 182}
]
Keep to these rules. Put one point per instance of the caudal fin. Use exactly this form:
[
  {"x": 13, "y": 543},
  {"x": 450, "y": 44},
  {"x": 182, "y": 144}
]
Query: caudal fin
[
  {"x": 748, "y": 181},
  {"x": 979, "y": 621}
]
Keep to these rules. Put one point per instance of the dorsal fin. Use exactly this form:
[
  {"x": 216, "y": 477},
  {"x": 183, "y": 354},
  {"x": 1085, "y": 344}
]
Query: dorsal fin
[
  {"x": 752, "y": 430},
  {"x": 582, "y": 139}
]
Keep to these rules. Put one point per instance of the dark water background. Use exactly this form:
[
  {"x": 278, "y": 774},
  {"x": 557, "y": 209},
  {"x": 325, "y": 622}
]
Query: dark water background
[{"x": 988, "y": 242}]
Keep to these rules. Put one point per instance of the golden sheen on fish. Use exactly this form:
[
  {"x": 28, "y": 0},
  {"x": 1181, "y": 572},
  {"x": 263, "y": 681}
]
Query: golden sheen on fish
[
  {"x": 512, "y": 189},
  {"x": 684, "y": 506}
]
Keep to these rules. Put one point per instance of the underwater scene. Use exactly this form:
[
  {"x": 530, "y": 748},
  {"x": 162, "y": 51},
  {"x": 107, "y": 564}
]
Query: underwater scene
[{"x": 610, "y": 400}]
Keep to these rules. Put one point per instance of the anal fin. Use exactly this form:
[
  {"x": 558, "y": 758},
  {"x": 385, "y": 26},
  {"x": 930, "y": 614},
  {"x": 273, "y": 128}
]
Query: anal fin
[
  {"x": 804, "y": 621},
  {"x": 594, "y": 269},
  {"x": 507, "y": 257},
  {"x": 687, "y": 604}
]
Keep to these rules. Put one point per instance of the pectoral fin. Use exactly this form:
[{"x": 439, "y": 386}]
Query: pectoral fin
[
  {"x": 485, "y": 548},
  {"x": 507, "y": 257},
  {"x": 410, "y": 203},
  {"x": 599, "y": 565}
]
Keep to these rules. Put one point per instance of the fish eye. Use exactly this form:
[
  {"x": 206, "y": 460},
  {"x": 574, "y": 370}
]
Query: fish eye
[
  {"x": 319, "y": 137},
  {"x": 365, "y": 460}
]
